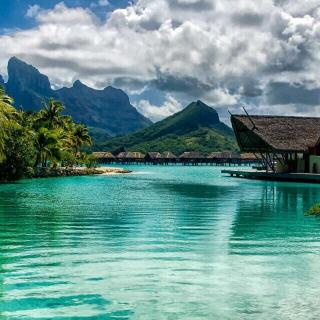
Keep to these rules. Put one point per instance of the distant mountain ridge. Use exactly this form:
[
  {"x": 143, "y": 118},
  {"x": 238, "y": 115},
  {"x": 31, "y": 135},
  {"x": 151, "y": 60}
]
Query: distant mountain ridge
[
  {"x": 195, "y": 128},
  {"x": 108, "y": 110},
  {"x": 1, "y": 81}
]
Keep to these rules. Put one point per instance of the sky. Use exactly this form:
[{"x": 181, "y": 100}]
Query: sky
[{"x": 263, "y": 55}]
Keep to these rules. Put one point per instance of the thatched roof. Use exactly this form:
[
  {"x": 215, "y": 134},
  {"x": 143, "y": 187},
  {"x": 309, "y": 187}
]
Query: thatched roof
[
  {"x": 250, "y": 156},
  {"x": 223, "y": 155},
  {"x": 103, "y": 155},
  {"x": 275, "y": 133},
  {"x": 130, "y": 155},
  {"x": 168, "y": 155},
  {"x": 154, "y": 155},
  {"x": 192, "y": 155}
]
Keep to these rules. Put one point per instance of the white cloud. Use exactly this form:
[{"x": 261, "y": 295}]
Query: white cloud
[
  {"x": 100, "y": 3},
  {"x": 33, "y": 11},
  {"x": 221, "y": 98},
  {"x": 222, "y": 51},
  {"x": 103, "y": 3},
  {"x": 156, "y": 113}
]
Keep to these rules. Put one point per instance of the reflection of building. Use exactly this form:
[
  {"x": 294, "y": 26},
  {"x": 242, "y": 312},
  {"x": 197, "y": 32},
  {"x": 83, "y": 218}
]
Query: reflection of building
[{"x": 285, "y": 144}]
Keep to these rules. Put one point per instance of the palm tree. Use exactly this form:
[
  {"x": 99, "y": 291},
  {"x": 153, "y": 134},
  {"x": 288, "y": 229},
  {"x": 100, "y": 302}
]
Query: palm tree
[
  {"x": 7, "y": 120},
  {"x": 47, "y": 146},
  {"x": 81, "y": 137},
  {"x": 67, "y": 137},
  {"x": 51, "y": 114}
]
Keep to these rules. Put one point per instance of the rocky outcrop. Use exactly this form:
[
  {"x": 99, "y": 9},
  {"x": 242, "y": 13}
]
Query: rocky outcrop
[{"x": 27, "y": 85}]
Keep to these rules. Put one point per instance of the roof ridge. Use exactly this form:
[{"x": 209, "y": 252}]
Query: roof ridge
[{"x": 273, "y": 116}]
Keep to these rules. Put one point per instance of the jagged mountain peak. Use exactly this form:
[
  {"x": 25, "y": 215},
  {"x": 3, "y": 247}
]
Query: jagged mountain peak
[
  {"x": 109, "y": 109},
  {"x": 25, "y": 76},
  {"x": 17, "y": 65},
  {"x": 79, "y": 85}
]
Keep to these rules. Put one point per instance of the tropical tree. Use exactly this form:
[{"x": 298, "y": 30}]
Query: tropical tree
[
  {"x": 32, "y": 139},
  {"x": 47, "y": 146},
  {"x": 51, "y": 114},
  {"x": 7, "y": 120},
  {"x": 20, "y": 155},
  {"x": 80, "y": 137}
]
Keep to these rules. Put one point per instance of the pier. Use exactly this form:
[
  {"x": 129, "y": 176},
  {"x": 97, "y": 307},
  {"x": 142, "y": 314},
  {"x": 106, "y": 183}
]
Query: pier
[
  {"x": 274, "y": 176},
  {"x": 226, "y": 158}
]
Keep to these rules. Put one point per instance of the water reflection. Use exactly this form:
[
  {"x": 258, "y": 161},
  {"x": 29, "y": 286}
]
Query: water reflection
[
  {"x": 171, "y": 243},
  {"x": 276, "y": 211}
]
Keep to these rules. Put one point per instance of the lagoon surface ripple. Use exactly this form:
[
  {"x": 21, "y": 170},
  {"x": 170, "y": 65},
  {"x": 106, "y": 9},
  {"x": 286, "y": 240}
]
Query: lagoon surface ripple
[{"x": 161, "y": 243}]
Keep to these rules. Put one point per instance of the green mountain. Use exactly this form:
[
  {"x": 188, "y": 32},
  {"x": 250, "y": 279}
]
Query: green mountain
[{"x": 195, "y": 128}]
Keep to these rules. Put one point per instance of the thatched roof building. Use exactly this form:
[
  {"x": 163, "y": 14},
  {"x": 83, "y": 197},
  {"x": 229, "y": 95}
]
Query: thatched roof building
[
  {"x": 192, "y": 155},
  {"x": 131, "y": 155},
  {"x": 223, "y": 155},
  {"x": 168, "y": 155},
  {"x": 103, "y": 155},
  {"x": 153, "y": 155},
  {"x": 277, "y": 133},
  {"x": 285, "y": 144},
  {"x": 250, "y": 156}
]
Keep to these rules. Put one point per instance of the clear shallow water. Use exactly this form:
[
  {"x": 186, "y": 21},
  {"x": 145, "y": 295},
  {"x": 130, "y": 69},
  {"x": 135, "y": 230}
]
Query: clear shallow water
[{"x": 162, "y": 243}]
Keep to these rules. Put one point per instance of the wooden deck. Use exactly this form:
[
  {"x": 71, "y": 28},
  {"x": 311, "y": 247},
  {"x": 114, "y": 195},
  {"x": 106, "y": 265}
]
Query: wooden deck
[{"x": 273, "y": 176}]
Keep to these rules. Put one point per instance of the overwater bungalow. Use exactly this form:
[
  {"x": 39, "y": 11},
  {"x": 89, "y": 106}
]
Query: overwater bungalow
[
  {"x": 153, "y": 158},
  {"x": 289, "y": 147},
  {"x": 223, "y": 158},
  {"x": 192, "y": 157},
  {"x": 285, "y": 144},
  {"x": 131, "y": 157},
  {"x": 169, "y": 157},
  {"x": 249, "y": 156},
  {"x": 104, "y": 157},
  {"x": 223, "y": 155}
]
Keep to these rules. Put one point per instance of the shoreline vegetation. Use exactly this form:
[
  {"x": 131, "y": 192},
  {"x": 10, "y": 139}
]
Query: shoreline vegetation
[{"x": 45, "y": 143}]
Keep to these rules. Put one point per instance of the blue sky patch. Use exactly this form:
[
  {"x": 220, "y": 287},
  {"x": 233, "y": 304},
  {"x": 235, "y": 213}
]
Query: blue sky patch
[{"x": 13, "y": 13}]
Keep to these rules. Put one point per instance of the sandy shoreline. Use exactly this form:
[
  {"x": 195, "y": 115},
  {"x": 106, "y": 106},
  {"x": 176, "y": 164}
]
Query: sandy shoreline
[
  {"x": 108, "y": 171},
  {"x": 78, "y": 171}
]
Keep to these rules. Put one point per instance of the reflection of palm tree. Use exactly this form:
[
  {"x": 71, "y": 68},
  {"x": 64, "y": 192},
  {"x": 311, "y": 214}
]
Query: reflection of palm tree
[{"x": 7, "y": 120}]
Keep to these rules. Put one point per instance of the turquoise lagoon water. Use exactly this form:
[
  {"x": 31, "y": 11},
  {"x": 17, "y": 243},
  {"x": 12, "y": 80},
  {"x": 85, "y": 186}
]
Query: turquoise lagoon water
[{"x": 161, "y": 243}]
